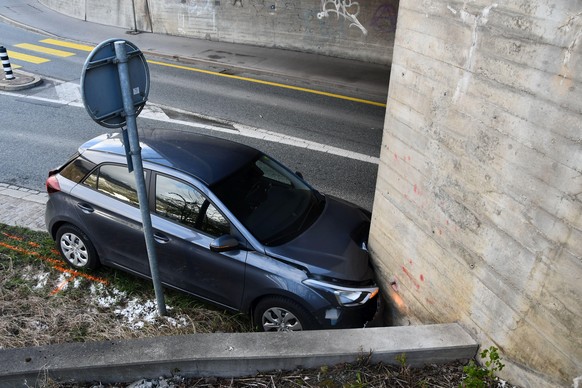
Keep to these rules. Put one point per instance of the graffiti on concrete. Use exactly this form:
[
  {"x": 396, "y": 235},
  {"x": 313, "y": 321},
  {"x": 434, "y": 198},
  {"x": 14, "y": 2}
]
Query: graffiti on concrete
[
  {"x": 201, "y": 13},
  {"x": 348, "y": 9},
  {"x": 384, "y": 19},
  {"x": 237, "y": 1},
  {"x": 194, "y": 7}
]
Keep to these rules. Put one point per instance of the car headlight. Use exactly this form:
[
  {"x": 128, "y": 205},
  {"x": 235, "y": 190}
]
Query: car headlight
[{"x": 345, "y": 296}]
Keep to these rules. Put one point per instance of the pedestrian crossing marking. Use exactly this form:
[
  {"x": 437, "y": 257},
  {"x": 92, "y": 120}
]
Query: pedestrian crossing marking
[
  {"x": 44, "y": 50},
  {"x": 61, "y": 43},
  {"x": 26, "y": 57}
]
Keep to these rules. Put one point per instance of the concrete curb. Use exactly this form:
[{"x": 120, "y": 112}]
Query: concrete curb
[
  {"x": 22, "y": 80},
  {"x": 232, "y": 355}
]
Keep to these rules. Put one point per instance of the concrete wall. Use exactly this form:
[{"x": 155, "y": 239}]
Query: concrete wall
[
  {"x": 109, "y": 12},
  {"x": 346, "y": 29},
  {"x": 73, "y": 8},
  {"x": 478, "y": 209}
]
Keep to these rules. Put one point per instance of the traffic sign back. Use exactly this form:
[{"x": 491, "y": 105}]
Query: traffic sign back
[{"x": 100, "y": 85}]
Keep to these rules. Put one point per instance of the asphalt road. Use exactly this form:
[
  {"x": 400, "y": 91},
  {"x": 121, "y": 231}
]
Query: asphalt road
[{"x": 39, "y": 131}]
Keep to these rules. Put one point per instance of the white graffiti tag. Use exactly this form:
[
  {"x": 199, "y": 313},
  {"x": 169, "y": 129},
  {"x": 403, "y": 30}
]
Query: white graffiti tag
[{"x": 347, "y": 8}]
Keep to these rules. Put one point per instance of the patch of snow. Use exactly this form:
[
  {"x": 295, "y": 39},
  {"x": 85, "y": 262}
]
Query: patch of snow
[
  {"x": 135, "y": 313},
  {"x": 63, "y": 281},
  {"x": 77, "y": 282},
  {"x": 38, "y": 326},
  {"x": 172, "y": 382},
  {"x": 107, "y": 298},
  {"x": 42, "y": 279},
  {"x": 181, "y": 321}
]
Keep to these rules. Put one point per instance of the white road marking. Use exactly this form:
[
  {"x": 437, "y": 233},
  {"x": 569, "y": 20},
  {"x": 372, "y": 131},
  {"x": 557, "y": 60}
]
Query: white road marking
[{"x": 69, "y": 94}]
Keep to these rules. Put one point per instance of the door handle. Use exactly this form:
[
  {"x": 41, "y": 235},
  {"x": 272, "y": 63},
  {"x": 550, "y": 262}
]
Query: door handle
[
  {"x": 85, "y": 208},
  {"x": 161, "y": 238}
]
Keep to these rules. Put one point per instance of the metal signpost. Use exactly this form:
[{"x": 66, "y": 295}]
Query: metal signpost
[{"x": 115, "y": 85}]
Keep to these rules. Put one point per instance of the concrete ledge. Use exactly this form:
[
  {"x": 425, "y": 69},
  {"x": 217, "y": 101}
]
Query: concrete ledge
[{"x": 230, "y": 355}]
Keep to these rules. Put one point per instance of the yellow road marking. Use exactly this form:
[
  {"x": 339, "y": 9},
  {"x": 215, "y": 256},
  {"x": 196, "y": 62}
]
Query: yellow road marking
[
  {"x": 44, "y": 50},
  {"x": 12, "y": 65},
  {"x": 62, "y": 43},
  {"x": 275, "y": 84},
  {"x": 26, "y": 57},
  {"x": 83, "y": 47}
]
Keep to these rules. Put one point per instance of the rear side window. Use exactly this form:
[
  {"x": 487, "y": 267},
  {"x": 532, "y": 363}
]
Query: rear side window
[
  {"x": 77, "y": 169},
  {"x": 116, "y": 181}
]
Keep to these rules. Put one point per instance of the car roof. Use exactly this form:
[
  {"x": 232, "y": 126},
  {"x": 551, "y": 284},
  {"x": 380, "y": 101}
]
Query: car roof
[{"x": 207, "y": 158}]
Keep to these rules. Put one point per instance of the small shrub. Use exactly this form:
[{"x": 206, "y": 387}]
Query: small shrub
[{"x": 483, "y": 376}]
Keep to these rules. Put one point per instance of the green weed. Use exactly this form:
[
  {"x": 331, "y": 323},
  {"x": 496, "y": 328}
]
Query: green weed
[
  {"x": 401, "y": 358},
  {"x": 483, "y": 376}
]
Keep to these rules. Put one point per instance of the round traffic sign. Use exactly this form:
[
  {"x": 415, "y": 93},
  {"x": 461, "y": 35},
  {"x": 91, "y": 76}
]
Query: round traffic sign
[{"x": 100, "y": 85}]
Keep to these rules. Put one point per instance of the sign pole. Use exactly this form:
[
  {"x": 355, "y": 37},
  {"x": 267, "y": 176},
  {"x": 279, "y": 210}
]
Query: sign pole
[{"x": 135, "y": 151}]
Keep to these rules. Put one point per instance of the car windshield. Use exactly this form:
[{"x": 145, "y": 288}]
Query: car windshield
[{"x": 274, "y": 204}]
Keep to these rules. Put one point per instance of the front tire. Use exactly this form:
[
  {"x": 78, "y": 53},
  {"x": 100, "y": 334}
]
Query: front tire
[
  {"x": 277, "y": 313},
  {"x": 76, "y": 248}
]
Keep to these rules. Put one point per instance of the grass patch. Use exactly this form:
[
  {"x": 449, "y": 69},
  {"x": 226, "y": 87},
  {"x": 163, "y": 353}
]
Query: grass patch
[{"x": 48, "y": 302}]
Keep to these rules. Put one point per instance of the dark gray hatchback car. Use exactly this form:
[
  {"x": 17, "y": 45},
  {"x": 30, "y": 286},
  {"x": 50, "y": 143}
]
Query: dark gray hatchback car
[{"x": 232, "y": 226}]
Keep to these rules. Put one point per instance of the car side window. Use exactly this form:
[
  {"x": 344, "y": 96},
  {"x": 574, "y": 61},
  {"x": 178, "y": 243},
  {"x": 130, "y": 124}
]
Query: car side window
[
  {"x": 114, "y": 180},
  {"x": 182, "y": 203},
  {"x": 213, "y": 222}
]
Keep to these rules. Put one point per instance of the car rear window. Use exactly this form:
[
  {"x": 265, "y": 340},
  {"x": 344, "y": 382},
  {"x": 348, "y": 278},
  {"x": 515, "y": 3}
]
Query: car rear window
[{"x": 77, "y": 169}]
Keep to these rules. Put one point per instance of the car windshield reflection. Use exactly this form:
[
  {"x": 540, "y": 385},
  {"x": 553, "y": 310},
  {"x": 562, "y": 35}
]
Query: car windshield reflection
[{"x": 274, "y": 204}]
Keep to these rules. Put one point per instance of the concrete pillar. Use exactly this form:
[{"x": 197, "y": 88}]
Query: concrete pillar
[{"x": 478, "y": 209}]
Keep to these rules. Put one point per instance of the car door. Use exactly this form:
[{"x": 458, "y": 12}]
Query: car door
[
  {"x": 107, "y": 205},
  {"x": 185, "y": 224}
]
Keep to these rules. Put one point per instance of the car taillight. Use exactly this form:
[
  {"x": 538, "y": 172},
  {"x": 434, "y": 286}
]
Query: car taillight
[{"x": 52, "y": 184}]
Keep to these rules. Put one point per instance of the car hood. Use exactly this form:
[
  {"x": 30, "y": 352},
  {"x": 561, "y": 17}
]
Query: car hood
[{"x": 334, "y": 246}]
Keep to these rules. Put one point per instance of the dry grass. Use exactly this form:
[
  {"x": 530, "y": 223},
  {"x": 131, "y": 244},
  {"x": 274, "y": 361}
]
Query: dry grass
[{"x": 43, "y": 302}]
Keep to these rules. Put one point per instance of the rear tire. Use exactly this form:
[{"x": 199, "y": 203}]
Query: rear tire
[
  {"x": 76, "y": 248},
  {"x": 277, "y": 313}
]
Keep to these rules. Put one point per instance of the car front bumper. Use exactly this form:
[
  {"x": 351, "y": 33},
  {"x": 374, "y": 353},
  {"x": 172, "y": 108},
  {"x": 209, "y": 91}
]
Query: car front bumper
[{"x": 348, "y": 317}]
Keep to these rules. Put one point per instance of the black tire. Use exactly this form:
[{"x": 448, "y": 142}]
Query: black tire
[
  {"x": 277, "y": 313},
  {"x": 76, "y": 248}
]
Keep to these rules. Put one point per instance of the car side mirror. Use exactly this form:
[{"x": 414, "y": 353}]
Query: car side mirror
[
  {"x": 300, "y": 175},
  {"x": 224, "y": 243}
]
